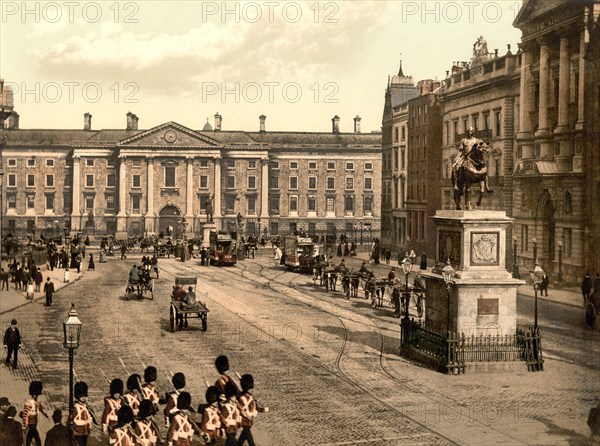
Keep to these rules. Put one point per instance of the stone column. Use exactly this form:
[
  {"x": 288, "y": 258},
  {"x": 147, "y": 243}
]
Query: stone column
[
  {"x": 264, "y": 191},
  {"x": 122, "y": 215},
  {"x": 150, "y": 196},
  {"x": 562, "y": 128},
  {"x": 76, "y": 211},
  {"x": 524, "y": 136},
  {"x": 580, "y": 124},
  {"x": 217, "y": 203},
  {"x": 543, "y": 131},
  {"x": 189, "y": 196}
]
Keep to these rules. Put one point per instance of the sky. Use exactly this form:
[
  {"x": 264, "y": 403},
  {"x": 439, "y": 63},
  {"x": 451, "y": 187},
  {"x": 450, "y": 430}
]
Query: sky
[{"x": 299, "y": 63}]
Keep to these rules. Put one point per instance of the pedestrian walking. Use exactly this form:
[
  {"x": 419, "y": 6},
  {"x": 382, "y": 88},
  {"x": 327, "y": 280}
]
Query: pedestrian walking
[
  {"x": 4, "y": 275},
  {"x": 49, "y": 291},
  {"x": 18, "y": 276},
  {"x": 249, "y": 408},
  {"x": 12, "y": 343},
  {"x": 59, "y": 435},
  {"x": 78, "y": 260},
  {"x": 155, "y": 265},
  {"x": 32, "y": 409},
  {"x": 123, "y": 251},
  {"x": 38, "y": 278},
  {"x": 91, "y": 264},
  {"x": 586, "y": 287},
  {"x": 423, "y": 262},
  {"x": 544, "y": 285}
]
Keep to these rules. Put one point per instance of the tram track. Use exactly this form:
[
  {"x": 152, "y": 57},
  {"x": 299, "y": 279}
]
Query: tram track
[{"x": 338, "y": 371}]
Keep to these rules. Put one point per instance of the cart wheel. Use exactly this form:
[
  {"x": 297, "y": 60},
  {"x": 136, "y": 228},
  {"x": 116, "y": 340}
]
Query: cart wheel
[
  {"x": 204, "y": 318},
  {"x": 590, "y": 315},
  {"x": 172, "y": 318}
]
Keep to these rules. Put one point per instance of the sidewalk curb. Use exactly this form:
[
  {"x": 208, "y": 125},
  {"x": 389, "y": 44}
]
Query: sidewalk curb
[
  {"x": 558, "y": 302},
  {"x": 2, "y": 313}
]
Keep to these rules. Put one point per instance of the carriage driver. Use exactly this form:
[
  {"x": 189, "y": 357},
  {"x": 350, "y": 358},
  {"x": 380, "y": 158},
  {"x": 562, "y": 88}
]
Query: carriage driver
[{"x": 466, "y": 144}]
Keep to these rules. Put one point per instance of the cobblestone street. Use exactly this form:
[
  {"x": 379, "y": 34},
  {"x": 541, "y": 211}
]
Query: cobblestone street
[{"x": 327, "y": 367}]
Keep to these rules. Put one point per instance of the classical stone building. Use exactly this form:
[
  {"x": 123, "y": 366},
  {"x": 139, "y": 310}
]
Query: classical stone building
[
  {"x": 555, "y": 171},
  {"x": 399, "y": 91},
  {"x": 424, "y": 165},
  {"x": 132, "y": 181},
  {"x": 482, "y": 93}
]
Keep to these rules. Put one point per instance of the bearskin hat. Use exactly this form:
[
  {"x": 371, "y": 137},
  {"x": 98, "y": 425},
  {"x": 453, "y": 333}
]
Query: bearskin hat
[
  {"x": 147, "y": 409},
  {"x": 150, "y": 374},
  {"x": 35, "y": 388},
  {"x": 178, "y": 380},
  {"x": 133, "y": 382},
  {"x": 124, "y": 415},
  {"x": 212, "y": 394},
  {"x": 230, "y": 390},
  {"x": 222, "y": 364},
  {"x": 247, "y": 382},
  {"x": 80, "y": 389},
  {"x": 116, "y": 387},
  {"x": 184, "y": 400}
]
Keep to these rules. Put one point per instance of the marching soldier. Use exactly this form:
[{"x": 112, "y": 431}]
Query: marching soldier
[
  {"x": 112, "y": 404},
  {"x": 133, "y": 396},
  {"x": 211, "y": 417},
  {"x": 145, "y": 429},
  {"x": 222, "y": 365},
  {"x": 122, "y": 435},
  {"x": 181, "y": 430},
  {"x": 249, "y": 408},
  {"x": 178, "y": 381},
  {"x": 149, "y": 391},
  {"x": 31, "y": 410},
  {"x": 230, "y": 413},
  {"x": 82, "y": 417}
]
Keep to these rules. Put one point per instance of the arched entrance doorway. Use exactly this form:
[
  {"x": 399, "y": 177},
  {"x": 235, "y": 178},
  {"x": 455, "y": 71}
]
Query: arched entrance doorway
[
  {"x": 548, "y": 231},
  {"x": 169, "y": 217}
]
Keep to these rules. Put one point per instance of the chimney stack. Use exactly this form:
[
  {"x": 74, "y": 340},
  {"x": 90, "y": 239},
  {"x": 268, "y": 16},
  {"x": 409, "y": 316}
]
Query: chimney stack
[
  {"x": 357, "y": 124},
  {"x": 218, "y": 119},
  {"x": 336, "y": 124},
  {"x": 262, "y": 119},
  {"x": 129, "y": 121},
  {"x": 13, "y": 121},
  {"x": 87, "y": 121},
  {"x": 135, "y": 122}
]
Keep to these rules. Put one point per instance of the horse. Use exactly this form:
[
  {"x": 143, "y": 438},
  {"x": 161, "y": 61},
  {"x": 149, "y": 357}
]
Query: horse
[{"x": 472, "y": 170}]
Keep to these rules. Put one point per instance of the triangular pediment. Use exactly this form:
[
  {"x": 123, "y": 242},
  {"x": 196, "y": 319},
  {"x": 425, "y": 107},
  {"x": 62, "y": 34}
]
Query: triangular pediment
[
  {"x": 532, "y": 10},
  {"x": 168, "y": 135}
]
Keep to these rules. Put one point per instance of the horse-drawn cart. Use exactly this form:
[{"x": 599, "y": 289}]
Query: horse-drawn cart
[
  {"x": 181, "y": 310},
  {"x": 142, "y": 288}
]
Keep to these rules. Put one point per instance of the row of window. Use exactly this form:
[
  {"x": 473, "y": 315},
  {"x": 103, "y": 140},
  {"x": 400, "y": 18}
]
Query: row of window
[
  {"x": 170, "y": 176},
  {"x": 331, "y": 165},
  {"x": 475, "y": 123}
]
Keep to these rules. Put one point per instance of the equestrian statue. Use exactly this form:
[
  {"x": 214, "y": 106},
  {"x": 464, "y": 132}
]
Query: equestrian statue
[{"x": 470, "y": 168}]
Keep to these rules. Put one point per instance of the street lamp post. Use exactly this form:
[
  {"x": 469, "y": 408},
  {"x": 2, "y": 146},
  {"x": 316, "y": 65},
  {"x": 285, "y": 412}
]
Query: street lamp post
[
  {"x": 534, "y": 250},
  {"x": 448, "y": 275},
  {"x": 516, "y": 274},
  {"x": 536, "y": 277},
  {"x": 71, "y": 332},
  {"x": 407, "y": 266},
  {"x": 560, "y": 253}
]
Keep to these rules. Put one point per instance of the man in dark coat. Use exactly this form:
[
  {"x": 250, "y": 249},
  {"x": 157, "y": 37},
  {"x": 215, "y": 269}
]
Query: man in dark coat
[
  {"x": 59, "y": 435},
  {"x": 586, "y": 287},
  {"x": 12, "y": 342},
  {"x": 12, "y": 430},
  {"x": 49, "y": 291}
]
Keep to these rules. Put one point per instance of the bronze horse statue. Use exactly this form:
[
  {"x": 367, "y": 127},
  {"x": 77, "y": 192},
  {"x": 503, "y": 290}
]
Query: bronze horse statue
[{"x": 470, "y": 171}]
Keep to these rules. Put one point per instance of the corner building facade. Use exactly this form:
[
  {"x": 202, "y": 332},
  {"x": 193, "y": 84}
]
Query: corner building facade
[{"x": 132, "y": 181}]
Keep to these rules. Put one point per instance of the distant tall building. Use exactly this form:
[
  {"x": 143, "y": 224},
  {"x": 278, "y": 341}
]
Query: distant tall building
[
  {"x": 132, "y": 181},
  {"x": 424, "y": 165},
  {"x": 399, "y": 91}
]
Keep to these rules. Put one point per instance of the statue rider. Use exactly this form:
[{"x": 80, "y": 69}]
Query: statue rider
[{"x": 466, "y": 144}]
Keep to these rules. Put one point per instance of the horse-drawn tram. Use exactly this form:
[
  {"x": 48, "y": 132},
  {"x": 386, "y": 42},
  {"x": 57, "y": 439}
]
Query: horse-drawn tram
[
  {"x": 299, "y": 252},
  {"x": 184, "y": 304}
]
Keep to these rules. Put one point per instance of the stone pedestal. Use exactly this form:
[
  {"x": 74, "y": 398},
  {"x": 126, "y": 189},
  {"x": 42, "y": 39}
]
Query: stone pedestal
[
  {"x": 483, "y": 299},
  {"x": 206, "y": 230}
]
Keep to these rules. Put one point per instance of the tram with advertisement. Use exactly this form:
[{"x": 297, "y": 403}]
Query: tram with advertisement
[
  {"x": 299, "y": 252},
  {"x": 222, "y": 248}
]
